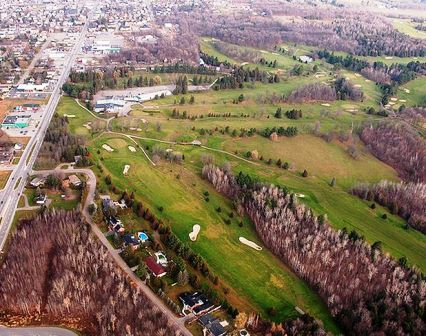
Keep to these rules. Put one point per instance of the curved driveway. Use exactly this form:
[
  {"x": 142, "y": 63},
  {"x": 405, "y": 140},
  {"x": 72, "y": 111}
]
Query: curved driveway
[{"x": 91, "y": 183}]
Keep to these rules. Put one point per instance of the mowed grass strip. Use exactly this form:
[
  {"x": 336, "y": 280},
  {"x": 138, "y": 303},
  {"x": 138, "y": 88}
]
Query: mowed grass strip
[{"x": 259, "y": 278}]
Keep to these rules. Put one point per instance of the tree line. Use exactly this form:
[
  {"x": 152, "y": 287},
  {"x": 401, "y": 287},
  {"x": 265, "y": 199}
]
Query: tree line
[
  {"x": 365, "y": 290},
  {"x": 400, "y": 147},
  {"x": 57, "y": 272},
  {"x": 408, "y": 200}
]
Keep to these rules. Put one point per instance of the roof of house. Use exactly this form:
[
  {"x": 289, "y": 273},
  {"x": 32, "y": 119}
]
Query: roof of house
[
  {"x": 193, "y": 299},
  {"x": 130, "y": 240},
  {"x": 154, "y": 267},
  {"x": 206, "y": 319},
  {"x": 74, "y": 179},
  {"x": 216, "y": 329}
]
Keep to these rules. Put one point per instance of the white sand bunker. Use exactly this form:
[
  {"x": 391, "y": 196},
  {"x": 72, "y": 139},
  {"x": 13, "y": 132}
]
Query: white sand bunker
[
  {"x": 357, "y": 85},
  {"x": 300, "y": 195},
  {"x": 107, "y": 148},
  {"x": 126, "y": 169},
  {"x": 367, "y": 80},
  {"x": 69, "y": 115},
  {"x": 407, "y": 91},
  {"x": 394, "y": 99},
  {"x": 132, "y": 149},
  {"x": 402, "y": 100},
  {"x": 250, "y": 243},
  {"x": 195, "y": 231},
  {"x": 244, "y": 63},
  {"x": 325, "y": 104},
  {"x": 388, "y": 57},
  {"x": 88, "y": 126}
]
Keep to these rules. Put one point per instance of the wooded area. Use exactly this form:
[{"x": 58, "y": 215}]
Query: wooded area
[
  {"x": 57, "y": 272},
  {"x": 365, "y": 290}
]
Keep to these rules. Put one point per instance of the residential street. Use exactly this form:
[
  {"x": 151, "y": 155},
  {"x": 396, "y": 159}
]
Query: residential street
[{"x": 91, "y": 183}]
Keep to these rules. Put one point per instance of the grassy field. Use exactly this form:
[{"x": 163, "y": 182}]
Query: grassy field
[
  {"x": 414, "y": 92},
  {"x": 80, "y": 117},
  {"x": 179, "y": 189},
  {"x": 408, "y": 27},
  {"x": 4, "y": 176},
  {"x": 272, "y": 285}
]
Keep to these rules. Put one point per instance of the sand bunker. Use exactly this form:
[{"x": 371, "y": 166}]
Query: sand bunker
[
  {"x": 325, "y": 104},
  {"x": 126, "y": 169},
  {"x": 132, "y": 149},
  {"x": 367, "y": 80},
  {"x": 388, "y": 57},
  {"x": 250, "y": 243},
  {"x": 357, "y": 75},
  {"x": 88, "y": 126},
  {"x": 402, "y": 100},
  {"x": 357, "y": 85},
  {"x": 394, "y": 99},
  {"x": 195, "y": 231},
  {"x": 407, "y": 91},
  {"x": 300, "y": 195},
  {"x": 107, "y": 148},
  {"x": 69, "y": 115},
  {"x": 244, "y": 63}
]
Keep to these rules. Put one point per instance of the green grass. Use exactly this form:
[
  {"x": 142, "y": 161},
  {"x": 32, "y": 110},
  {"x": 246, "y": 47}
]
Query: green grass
[
  {"x": 408, "y": 27},
  {"x": 271, "y": 285},
  {"x": 179, "y": 188},
  {"x": 69, "y": 106},
  {"x": 417, "y": 92}
]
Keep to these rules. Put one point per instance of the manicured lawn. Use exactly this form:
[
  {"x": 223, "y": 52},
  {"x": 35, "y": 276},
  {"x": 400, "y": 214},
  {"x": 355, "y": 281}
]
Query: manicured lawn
[
  {"x": 406, "y": 26},
  {"x": 78, "y": 116},
  {"x": 180, "y": 192},
  {"x": 416, "y": 94}
]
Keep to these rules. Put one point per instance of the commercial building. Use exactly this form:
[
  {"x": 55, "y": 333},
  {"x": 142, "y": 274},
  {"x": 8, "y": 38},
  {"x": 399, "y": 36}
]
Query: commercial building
[{"x": 16, "y": 121}]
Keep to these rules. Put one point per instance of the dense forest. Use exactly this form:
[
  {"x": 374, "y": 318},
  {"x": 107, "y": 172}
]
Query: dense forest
[
  {"x": 400, "y": 147},
  {"x": 366, "y": 291},
  {"x": 408, "y": 200},
  {"x": 57, "y": 272},
  {"x": 323, "y": 26},
  {"x": 60, "y": 145}
]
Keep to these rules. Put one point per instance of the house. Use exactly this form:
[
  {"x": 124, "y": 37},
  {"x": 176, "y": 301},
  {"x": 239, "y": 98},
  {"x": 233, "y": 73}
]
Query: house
[
  {"x": 161, "y": 258},
  {"x": 115, "y": 225},
  {"x": 130, "y": 240},
  {"x": 37, "y": 182},
  {"x": 156, "y": 269},
  {"x": 211, "y": 325},
  {"x": 196, "y": 303},
  {"x": 41, "y": 199},
  {"x": 18, "y": 146},
  {"x": 74, "y": 180},
  {"x": 6, "y": 154}
]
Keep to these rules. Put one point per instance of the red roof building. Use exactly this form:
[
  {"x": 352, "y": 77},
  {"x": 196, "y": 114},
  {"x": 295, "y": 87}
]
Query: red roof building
[{"x": 156, "y": 269}]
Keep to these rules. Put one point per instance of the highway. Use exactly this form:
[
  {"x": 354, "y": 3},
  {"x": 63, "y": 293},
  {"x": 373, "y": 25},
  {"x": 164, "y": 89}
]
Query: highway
[{"x": 9, "y": 196}]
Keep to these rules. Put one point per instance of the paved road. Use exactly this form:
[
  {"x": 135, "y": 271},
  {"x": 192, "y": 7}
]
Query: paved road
[
  {"x": 36, "y": 331},
  {"x": 34, "y": 61},
  {"x": 91, "y": 183},
  {"x": 9, "y": 196}
]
